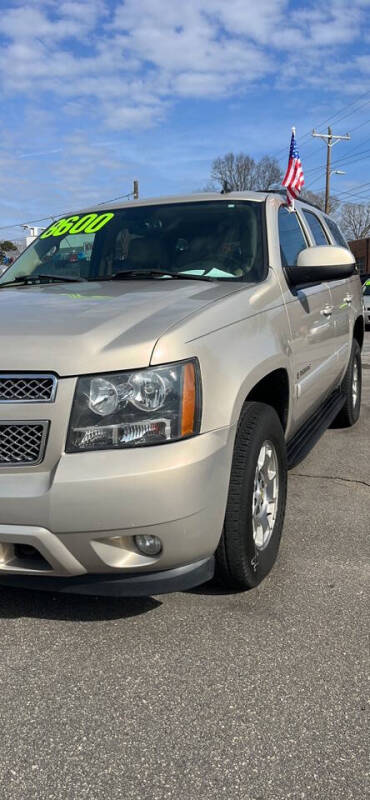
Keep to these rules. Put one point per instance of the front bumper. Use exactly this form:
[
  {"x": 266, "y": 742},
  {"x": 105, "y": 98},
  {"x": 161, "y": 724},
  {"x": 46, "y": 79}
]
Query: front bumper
[
  {"x": 132, "y": 585},
  {"x": 75, "y": 526}
]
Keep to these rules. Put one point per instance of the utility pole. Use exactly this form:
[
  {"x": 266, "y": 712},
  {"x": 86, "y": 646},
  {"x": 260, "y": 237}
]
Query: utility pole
[
  {"x": 136, "y": 190},
  {"x": 331, "y": 140}
]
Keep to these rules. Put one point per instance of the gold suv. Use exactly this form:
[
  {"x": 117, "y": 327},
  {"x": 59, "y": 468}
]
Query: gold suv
[{"x": 162, "y": 365}]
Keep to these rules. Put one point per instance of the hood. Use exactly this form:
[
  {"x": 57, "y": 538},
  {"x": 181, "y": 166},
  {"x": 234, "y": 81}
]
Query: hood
[{"x": 79, "y": 328}]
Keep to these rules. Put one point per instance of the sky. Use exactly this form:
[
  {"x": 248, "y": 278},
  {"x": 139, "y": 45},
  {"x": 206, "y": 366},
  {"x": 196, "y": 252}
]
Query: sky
[{"x": 97, "y": 93}]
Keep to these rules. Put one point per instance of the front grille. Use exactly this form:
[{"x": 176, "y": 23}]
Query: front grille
[
  {"x": 22, "y": 443},
  {"x": 27, "y": 388}
]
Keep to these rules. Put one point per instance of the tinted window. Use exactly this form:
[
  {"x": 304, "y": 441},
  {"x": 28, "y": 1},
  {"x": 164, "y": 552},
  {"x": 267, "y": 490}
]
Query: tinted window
[
  {"x": 316, "y": 228},
  {"x": 220, "y": 239},
  {"x": 292, "y": 239},
  {"x": 336, "y": 234}
]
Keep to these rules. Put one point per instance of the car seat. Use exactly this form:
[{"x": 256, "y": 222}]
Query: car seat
[{"x": 147, "y": 253}]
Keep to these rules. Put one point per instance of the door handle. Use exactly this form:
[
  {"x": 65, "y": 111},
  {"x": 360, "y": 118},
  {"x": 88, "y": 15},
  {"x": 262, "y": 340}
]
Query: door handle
[
  {"x": 326, "y": 311},
  {"x": 348, "y": 299}
]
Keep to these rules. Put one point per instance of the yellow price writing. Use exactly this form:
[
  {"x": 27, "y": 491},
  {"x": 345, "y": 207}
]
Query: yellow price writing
[{"x": 88, "y": 223}]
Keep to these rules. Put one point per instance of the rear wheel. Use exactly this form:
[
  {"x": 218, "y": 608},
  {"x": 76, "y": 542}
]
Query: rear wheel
[
  {"x": 256, "y": 502},
  {"x": 351, "y": 388}
]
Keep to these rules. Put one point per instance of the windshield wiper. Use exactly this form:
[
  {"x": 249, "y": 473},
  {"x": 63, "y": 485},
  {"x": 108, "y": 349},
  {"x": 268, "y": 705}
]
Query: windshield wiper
[
  {"x": 155, "y": 273},
  {"x": 26, "y": 280}
]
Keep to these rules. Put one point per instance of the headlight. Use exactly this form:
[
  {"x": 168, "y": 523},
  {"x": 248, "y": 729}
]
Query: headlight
[{"x": 133, "y": 409}]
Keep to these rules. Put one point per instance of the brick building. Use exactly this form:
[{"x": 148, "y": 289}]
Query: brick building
[{"x": 361, "y": 250}]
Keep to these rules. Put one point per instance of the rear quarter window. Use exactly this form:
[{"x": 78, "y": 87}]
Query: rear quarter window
[
  {"x": 316, "y": 228},
  {"x": 336, "y": 234}
]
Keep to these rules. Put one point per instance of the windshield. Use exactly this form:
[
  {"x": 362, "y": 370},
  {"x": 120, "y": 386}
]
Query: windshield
[
  {"x": 218, "y": 239},
  {"x": 366, "y": 289}
]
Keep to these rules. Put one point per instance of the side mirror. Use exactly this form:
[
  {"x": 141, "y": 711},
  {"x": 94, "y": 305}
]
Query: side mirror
[{"x": 323, "y": 263}]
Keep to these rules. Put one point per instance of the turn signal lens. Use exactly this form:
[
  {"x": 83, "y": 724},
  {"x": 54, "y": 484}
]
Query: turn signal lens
[{"x": 188, "y": 400}]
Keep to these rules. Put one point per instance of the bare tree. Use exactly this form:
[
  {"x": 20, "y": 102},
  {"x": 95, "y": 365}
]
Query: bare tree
[
  {"x": 240, "y": 172},
  {"x": 355, "y": 220},
  {"x": 233, "y": 171},
  {"x": 267, "y": 173}
]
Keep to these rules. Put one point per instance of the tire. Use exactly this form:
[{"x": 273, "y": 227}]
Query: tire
[
  {"x": 350, "y": 412},
  {"x": 245, "y": 555}
]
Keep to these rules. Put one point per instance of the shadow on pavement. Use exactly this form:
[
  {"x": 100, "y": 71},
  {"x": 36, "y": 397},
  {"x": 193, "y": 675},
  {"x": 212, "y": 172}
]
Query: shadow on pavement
[
  {"x": 15, "y": 603},
  {"x": 213, "y": 588}
]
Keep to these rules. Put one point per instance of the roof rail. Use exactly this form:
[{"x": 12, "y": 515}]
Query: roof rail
[{"x": 283, "y": 192}]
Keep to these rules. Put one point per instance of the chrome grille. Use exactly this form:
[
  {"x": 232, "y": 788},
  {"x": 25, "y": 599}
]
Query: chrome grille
[
  {"x": 27, "y": 388},
  {"x": 22, "y": 443}
]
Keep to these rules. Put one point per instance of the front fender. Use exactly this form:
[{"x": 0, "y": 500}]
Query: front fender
[{"x": 233, "y": 358}]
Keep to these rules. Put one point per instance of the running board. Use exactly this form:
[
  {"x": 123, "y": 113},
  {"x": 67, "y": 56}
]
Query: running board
[{"x": 306, "y": 437}]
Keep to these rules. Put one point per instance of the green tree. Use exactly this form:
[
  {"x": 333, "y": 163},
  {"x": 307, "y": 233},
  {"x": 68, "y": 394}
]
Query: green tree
[{"x": 7, "y": 246}]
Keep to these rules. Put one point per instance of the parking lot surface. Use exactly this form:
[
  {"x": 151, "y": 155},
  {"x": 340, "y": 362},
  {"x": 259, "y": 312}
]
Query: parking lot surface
[{"x": 200, "y": 695}]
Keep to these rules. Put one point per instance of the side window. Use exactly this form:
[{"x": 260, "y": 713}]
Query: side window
[
  {"x": 292, "y": 239},
  {"x": 336, "y": 234},
  {"x": 316, "y": 228}
]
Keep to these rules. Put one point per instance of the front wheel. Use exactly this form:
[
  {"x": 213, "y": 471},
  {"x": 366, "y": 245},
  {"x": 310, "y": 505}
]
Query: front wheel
[
  {"x": 351, "y": 388},
  {"x": 256, "y": 502}
]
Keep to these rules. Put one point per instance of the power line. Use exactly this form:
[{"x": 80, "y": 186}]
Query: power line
[
  {"x": 331, "y": 140},
  {"x": 330, "y": 119},
  {"x": 360, "y": 144},
  {"x": 30, "y": 222},
  {"x": 357, "y": 187},
  {"x": 311, "y": 154},
  {"x": 354, "y": 150},
  {"x": 364, "y": 193},
  {"x": 359, "y": 126},
  {"x": 120, "y": 197},
  {"x": 65, "y": 213},
  {"x": 344, "y": 160},
  {"x": 348, "y": 161},
  {"x": 354, "y": 111},
  {"x": 353, "y": 199},
  {"x": 351, "y": 189}
]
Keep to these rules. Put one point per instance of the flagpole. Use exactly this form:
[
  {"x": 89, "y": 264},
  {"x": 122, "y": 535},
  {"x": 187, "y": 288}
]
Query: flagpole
[
  {"x": 294, "y": 178},
  {"x": 292, "y": 207}
]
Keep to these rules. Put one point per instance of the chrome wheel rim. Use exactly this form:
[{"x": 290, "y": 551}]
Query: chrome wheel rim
[
  {"x": 354, "y": 384},
  {"x": 265, "y": 495}
]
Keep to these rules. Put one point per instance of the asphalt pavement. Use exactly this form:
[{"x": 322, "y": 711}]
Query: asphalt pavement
[{"x": 204, "y": 695}]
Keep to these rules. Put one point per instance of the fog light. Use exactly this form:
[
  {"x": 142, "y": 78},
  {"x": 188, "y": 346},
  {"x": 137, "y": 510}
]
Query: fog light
[
  {"x": 6, "y": 552},
  {"x": 149, "y": 545}
]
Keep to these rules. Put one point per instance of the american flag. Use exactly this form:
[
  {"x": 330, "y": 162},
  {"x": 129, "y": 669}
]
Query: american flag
[{"x": 294, "y": 178}]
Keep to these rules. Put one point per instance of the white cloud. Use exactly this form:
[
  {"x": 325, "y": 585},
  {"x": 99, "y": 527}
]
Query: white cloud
[
  {"x": 132, "y": 58},
  {"x": 87, "y": 70},
  {"x": 42, "y": 20}
]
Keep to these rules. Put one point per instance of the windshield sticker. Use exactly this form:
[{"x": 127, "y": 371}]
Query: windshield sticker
[{"x": 88, "y": 223}]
